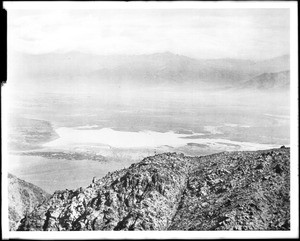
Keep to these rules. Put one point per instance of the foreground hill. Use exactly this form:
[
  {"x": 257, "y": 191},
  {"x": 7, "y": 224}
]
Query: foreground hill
[
  {"x": 23, "y": 197},
  {"x": 225, "y": 191}
]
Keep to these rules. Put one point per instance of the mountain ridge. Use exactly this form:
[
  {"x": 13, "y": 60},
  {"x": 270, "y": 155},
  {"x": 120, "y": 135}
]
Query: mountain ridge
[
  {"x": 146, "y": 69},
  {"x": 224, "y": 191},
  {"x": 162, "y": 53}
]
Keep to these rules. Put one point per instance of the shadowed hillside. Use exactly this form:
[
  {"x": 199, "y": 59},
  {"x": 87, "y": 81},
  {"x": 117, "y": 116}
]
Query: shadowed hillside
[{"x": 23, "y": 197}]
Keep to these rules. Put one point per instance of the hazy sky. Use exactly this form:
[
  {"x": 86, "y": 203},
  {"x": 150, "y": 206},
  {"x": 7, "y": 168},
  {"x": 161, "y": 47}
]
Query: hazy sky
[{"x": 200, "y": 33}]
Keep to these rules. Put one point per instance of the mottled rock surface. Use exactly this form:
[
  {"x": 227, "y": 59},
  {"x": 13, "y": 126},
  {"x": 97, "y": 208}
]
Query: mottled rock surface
[
  {"x": 23, "y": 197},
  {"x": 237, "y": 191},
  {"x": 225, "y": 191}
]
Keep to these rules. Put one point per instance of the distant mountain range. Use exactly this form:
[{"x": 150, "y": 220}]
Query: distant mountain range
[{"x": 146, "y": 70}]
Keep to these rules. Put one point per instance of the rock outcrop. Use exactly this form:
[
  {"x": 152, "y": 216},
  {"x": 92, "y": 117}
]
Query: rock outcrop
[
  {"x": 23, "y": 197},
  {"x": 225, "y": 191}
]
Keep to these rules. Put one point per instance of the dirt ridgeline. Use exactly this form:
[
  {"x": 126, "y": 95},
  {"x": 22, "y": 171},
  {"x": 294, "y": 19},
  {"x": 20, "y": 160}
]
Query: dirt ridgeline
[{"x": 225, "y": 191}]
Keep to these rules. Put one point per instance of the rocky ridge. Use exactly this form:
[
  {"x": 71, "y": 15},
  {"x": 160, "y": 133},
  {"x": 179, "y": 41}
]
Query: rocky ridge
[{"x": 224, "y": 191}]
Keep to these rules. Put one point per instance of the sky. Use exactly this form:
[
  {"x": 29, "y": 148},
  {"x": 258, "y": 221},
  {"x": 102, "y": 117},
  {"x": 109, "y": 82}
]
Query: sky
[{"x": 198, "y": 33}]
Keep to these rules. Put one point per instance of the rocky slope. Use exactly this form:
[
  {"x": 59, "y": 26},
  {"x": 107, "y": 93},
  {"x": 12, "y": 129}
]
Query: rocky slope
[
  {"x": 23, "y": 197},
  {"x": 225, "y": 191}
]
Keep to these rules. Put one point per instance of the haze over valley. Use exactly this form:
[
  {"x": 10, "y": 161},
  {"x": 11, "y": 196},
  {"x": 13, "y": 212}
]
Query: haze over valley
[
  {"x": 174, "y": 81},
  {"x": 83, "y": 118}
]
